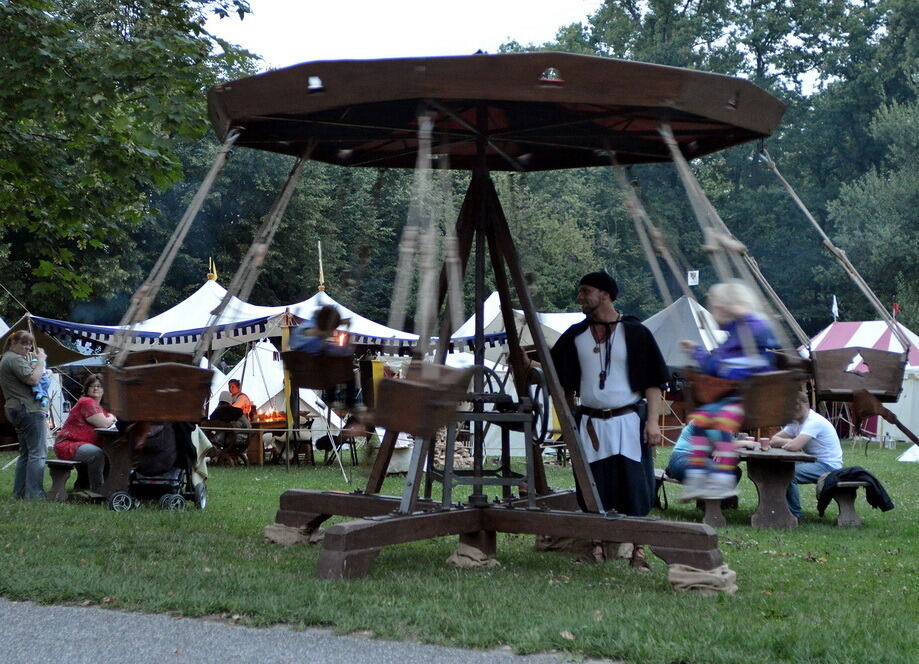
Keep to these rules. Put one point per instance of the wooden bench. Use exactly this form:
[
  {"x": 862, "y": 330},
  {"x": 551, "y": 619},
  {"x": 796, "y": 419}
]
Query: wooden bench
[
  {"x": 60, "y": 473},
  {"x": 844, "y": 495},
  {"x": 713, "y": 517}
]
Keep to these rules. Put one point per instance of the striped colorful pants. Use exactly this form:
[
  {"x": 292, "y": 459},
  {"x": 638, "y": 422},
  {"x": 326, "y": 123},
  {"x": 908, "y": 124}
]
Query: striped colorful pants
[{"x": 711, "y": 432}]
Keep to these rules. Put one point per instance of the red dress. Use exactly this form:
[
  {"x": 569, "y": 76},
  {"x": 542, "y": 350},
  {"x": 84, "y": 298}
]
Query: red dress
[{"x": 76, "y": 430}]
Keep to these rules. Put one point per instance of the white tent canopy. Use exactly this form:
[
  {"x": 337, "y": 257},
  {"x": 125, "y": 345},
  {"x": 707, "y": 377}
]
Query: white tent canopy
[
  {"x": 180, "y": 327},
  {"x": 683, "y": 320},
  {"x": 552, "y": 325},
  {"x": 3, "y": 326}
]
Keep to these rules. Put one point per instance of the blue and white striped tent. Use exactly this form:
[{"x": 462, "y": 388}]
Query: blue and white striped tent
[{"x": 180, "y": 327}]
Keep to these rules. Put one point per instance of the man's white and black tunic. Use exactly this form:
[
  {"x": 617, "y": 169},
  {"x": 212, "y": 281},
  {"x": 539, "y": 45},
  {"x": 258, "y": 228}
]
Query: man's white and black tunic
[{"x": 622, "y": 465}]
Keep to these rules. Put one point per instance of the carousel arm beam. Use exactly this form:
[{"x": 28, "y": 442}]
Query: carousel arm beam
[
  {"x": 465, "y": 231},
  {"x": 446, "y": 111}
]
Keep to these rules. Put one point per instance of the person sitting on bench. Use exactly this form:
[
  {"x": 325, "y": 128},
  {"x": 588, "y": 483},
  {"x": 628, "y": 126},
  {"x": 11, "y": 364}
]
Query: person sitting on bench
[
  {"x": 78, "y": 439},
  {"x": 233, "y": 417},
  {"x": 814, "y": 434}
]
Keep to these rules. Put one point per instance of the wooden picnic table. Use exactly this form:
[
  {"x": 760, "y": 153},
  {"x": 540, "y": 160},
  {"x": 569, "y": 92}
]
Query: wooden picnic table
[
  {"x": 772, "y": 471},
  {"x": 255, "y": 449}
]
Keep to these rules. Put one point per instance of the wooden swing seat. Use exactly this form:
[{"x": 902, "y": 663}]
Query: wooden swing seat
[
  {"x": 164, "y": 392},
  {"x": 883, "y": 377},
  {"x": 318, "y": 372},
  {"x": 424, "y": 401},
  {"x": 769, "y": 398}
]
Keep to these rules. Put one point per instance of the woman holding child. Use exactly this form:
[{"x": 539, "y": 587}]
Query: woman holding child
[{"x": 20, "y": 371}]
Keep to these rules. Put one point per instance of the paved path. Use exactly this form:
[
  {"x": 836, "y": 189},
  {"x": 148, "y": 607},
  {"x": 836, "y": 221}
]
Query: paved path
[{"x": 36, "y": 634}]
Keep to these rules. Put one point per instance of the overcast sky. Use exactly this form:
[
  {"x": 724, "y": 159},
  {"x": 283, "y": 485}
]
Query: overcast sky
[{"x": 287, "y": 32}]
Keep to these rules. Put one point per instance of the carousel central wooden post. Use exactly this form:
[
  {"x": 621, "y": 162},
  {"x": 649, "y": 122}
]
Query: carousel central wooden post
[{"x": 349, "y": 549}]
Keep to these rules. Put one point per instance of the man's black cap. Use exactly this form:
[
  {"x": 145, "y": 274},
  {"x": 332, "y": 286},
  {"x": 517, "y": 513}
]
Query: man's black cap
[{"x": 601, "y": 281}]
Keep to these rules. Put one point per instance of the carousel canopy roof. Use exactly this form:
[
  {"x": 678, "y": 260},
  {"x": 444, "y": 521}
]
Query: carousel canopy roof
[{"x": 535, "y": 111}]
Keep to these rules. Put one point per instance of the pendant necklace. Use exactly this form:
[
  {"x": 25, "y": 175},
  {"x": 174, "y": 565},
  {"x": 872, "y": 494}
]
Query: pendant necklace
[{"x": 608, "y": 343}]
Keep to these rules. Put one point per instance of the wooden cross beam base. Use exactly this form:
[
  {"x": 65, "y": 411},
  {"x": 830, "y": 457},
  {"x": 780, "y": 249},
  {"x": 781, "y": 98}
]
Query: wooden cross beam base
[{"x": 349, "y": 549}]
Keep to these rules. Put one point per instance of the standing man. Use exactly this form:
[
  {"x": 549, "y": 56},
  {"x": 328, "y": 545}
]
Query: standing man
[
  {"x": 814, "y": 434},
  {"x": 613, "y": 364},
  {"x": 240, "y": 398},
  {"x": 19, "y": 372}
]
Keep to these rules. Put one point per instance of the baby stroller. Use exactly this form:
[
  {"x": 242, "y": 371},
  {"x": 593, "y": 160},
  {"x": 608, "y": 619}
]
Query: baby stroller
[{"x": 170, "y": 468}]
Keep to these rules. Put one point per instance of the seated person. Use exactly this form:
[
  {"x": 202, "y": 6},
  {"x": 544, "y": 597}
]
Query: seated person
[
  {"x": 239, "y": 399},
  {"x": 317, "y": 336},
  {"x": 682, "y": 452},
  {"x": 233, "y": 417},
  {"x": 78, "y": 439},
  {"x": 813, "y": 434}
]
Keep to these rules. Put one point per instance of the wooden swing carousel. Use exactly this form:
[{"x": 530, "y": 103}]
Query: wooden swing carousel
[{"x": 516, "y": 112}]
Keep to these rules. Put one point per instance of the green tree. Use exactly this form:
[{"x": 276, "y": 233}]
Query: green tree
[{"x": 96, "y": 95}]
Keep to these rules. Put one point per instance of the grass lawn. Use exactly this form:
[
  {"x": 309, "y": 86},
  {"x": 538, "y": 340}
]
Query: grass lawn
[{"x": 815, "y": 594}]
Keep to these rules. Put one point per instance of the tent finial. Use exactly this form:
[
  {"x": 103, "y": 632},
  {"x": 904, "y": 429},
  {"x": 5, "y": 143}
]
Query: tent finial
[{"x": 212, "y": 269}]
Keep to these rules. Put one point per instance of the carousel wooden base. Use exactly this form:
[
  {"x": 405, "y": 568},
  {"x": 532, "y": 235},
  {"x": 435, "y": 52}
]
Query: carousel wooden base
[{"x": 349, "y": 549}]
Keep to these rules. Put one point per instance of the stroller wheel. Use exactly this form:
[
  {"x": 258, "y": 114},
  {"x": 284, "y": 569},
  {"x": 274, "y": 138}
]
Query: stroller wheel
[
  {"x": 120, "y": 501},
  {"x": 201, "y": 495},
  {"x": 173, "y": 501}
]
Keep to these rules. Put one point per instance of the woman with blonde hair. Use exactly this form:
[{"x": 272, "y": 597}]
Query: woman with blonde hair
[{"x": 745, "y": 351}]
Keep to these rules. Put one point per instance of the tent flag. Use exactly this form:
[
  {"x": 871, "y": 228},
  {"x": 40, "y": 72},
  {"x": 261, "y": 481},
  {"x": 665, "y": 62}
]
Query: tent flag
[
  {"x": 895, "y": 309},
  {"x": 834, "y": 308}
]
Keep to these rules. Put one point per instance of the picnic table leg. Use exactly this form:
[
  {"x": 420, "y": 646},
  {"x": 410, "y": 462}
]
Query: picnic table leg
[
  {"x": 119, "y": 453},
  {"x": 771, "y": 478}
]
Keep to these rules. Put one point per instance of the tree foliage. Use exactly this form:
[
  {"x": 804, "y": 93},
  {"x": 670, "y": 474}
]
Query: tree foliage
[
  {"x": 104, "y": 140},
  {"x": 97, "y": 95}
]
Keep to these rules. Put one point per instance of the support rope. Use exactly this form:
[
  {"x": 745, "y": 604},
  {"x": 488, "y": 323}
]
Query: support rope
[{"x": 840, "y": 256}]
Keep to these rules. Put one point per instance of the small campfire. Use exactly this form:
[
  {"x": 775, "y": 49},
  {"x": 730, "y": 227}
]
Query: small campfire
[{"x": 270, "y": 415}]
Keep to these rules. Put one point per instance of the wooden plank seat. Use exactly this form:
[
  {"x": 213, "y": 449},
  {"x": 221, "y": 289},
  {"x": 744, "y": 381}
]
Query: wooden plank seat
[
  {"x": 60, "y": 472},
  {"x": 713, "y": 516},
  {"x": 845, "y": 495}
]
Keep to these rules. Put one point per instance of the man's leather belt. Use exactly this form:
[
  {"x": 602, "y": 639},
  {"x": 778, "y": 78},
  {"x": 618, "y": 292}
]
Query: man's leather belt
[{"x": 606, "y": 413}]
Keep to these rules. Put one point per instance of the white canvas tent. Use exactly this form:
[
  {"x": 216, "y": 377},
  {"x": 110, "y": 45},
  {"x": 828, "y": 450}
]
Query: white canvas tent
[
  {"x": 683, "y": 320},
  {"x": 179, "y": 328},
  {"x": 552, "y": 325},
  {"x": 876, "y": 334},
  {"x": 3, "y": 326},
  {"x": 911, "y": 454}
]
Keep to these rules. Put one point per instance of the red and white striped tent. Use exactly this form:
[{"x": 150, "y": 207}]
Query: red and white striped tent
[{"x": 876, "y": 334}]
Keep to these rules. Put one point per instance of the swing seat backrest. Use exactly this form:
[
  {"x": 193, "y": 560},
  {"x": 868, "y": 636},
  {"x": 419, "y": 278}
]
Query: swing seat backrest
[
  {"x": 165, "y": 392},
  {"x": 140, "y": 357},
  {"x": 841, "y": 372},
  {"x": 424, "y": 401},
  {"x": 770, "y": 398},
  {"x": 318, "y": 372}
]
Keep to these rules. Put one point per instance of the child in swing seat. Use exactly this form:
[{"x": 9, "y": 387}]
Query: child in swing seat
[
  {"x": 317, "y": 336},
  {"x": 713, "y": 460}
]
